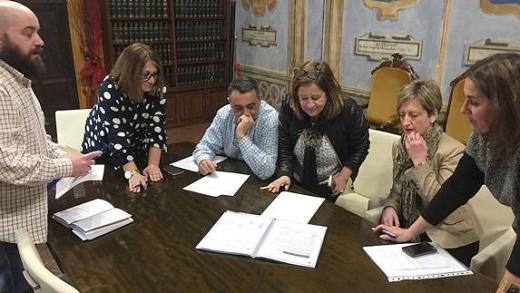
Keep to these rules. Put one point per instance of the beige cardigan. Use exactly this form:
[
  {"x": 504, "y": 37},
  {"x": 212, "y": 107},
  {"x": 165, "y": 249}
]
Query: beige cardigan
[{"x": 460, "y": 227}]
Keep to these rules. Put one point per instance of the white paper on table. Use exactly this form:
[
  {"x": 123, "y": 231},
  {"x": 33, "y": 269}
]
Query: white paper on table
[
  {"x": 398, "y": 266},
  {"x": 294, "y": 207},
  {"x": 218, "y": 183},
  {"x": 67, "y": 183},
  {"x": 189, "y": 164}
]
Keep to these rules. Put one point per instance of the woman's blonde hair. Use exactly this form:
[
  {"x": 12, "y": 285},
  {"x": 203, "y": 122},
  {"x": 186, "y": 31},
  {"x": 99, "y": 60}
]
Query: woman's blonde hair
[
  {"x": 426, "y": 92},
  {"x": 128, "y": 71},
  {"x": 319, "y": 73}
]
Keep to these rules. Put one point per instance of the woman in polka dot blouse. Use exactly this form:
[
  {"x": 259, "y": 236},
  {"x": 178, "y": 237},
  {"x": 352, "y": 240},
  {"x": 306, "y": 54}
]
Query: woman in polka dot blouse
[{"x": 129, "y": 117}]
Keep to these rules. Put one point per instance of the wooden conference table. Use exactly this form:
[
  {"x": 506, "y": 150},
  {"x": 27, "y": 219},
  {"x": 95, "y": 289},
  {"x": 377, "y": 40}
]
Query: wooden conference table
[{"x": 157, "y": 252}]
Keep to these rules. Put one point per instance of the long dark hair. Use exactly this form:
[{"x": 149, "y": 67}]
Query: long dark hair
[{"x": 498, "y": 78}]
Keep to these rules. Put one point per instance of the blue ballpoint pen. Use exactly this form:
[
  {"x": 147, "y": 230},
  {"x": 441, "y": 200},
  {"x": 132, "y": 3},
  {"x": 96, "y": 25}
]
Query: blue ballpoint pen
[
  {"x": 52, "y": 183},
  {"x": 101, "y": 148}
]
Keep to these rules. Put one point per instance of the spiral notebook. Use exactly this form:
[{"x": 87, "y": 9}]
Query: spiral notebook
[{"x": 397, "y": 266}]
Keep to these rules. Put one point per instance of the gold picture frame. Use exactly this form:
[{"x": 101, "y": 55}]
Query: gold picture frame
[
  {"x": 389, "y": 9},
  {"x": 501, "y": 8}
]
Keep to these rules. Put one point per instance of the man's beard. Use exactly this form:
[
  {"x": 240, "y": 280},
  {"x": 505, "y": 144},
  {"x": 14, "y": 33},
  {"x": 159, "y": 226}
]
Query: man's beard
[{"x": 12, "y": 55}]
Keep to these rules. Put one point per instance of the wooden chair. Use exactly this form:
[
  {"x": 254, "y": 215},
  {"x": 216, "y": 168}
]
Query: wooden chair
[
  {"x": 457, "y": 124},
  {"x": 387, "y": 81},
  {"x": 39, "y": 278}
]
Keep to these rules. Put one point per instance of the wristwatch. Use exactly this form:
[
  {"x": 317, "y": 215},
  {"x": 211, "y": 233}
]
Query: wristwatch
[
  {"x": 507, "y": 286},
  {"x": 130, "y": 173}
]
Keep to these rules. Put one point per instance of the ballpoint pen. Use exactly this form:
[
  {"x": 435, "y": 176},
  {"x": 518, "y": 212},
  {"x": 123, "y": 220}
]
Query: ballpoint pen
[
  {"x": 101, "y": 148},
  {"x": 148, "y": 182},
  {"x": 392, "y": 235},
  {"x": 51, "y": 184}
]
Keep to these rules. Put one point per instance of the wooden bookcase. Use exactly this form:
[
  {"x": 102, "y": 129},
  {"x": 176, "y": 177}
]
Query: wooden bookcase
[{"x": 194, "y": 40}]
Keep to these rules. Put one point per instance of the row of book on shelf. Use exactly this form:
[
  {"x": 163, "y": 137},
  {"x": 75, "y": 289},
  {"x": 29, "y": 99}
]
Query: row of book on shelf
[
  {"x": 138, "y": 8},
  {"x": 200, "y": 51},
  {"x": 200, "y": 74},
  {"x": 159, "y": 8},
  {"x": 148, "y": 31},
  {"x": 159, "y": 31},
  {"x": 163, "y": 50},
  {"x": 186, "y": 30}
]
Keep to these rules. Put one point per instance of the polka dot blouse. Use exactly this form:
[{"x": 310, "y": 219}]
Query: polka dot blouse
[{"x": 128, "y": 129}]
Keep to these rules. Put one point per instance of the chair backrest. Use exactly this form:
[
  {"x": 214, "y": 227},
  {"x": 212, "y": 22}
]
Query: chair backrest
[
  {"x": 494, "y": 221},
  {"x": 38, "y": 277},
  {"x": 387, "y": 82},
  {"x": 457, "y": 124},
  {"x": 374, "y": 179},
  {"x": 70, "y": 126}
]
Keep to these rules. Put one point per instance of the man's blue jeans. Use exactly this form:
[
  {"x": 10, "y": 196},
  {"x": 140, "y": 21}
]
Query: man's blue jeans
[{"x": 11, "y": 268}]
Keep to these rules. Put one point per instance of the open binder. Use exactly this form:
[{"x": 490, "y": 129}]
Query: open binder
[
  {"x": 262, "y": 237},
  {"x": 93, "y": 219}
]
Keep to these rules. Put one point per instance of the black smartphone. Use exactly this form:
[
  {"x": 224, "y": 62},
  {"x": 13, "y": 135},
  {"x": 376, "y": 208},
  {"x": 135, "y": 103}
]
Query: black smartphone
[
  {"x": 419, "y": 249},
  {"x": 174, "y": 171}
]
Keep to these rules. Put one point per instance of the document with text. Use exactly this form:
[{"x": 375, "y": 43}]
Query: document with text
[
  {"x": 261, "y": 237},
  {"x": 189, "y": 164},
  {"x": 218, "y": 183},
  {"x": 398, "y": 266},
  {"x": 67, "y": 183},
  {"x": 92, "y": 219}
]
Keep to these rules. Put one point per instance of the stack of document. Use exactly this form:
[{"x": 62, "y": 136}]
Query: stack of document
[
  {"x": 398, "y": 266},
  {"x": 260, "y": 237},
  {"x": 93, "y": 219},
  {"x": 281, "y": 233}
]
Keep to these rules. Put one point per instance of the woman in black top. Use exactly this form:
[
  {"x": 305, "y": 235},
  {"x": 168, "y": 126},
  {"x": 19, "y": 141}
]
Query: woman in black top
[
  {"x": 492, "y": 155},
  {"x": 322, "y": 135},
  {"x": 129, "y": 116}
]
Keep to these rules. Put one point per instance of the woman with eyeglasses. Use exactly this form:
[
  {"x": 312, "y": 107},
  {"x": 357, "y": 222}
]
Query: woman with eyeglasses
[
  {"x": 127, "y": 122},
  {"x": 323, "y": 135}
]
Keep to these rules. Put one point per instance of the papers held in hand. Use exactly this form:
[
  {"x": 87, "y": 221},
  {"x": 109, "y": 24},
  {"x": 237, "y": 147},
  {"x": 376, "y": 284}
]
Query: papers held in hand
[
  {"x": 93, "y": 219},
  {"x": 261, "y": 237}
]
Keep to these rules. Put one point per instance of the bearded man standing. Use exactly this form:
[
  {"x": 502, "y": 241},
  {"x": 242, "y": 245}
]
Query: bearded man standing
[{"x": 28, "y": 160}]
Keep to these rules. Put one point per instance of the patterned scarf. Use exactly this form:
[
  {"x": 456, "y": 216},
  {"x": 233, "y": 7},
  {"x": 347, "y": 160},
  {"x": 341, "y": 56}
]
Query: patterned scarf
[
  {"x": 312, "y": 136},
  {"x": 411, "y": 202}
]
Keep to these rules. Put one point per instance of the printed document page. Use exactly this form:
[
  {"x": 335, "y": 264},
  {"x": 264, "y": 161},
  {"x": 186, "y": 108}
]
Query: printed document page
[
  {"x": 398, "y": 266},
  {"x": 189, "y": 164},
  {"x": 294, "y": 243},
  {"x": 82, "y": 211},
  {"x": 218, "y": 183},
  {"x": 67, "y": 183},
  {"x": 293, "y": 207},
  {"x": 235, "y": 233}
]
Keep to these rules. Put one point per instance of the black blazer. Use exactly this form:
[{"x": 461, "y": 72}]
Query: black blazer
[{"x": 348, "y": 133}]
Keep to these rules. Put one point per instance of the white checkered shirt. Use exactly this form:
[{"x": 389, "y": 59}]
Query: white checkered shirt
[{"x": 27, "y": 160}]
